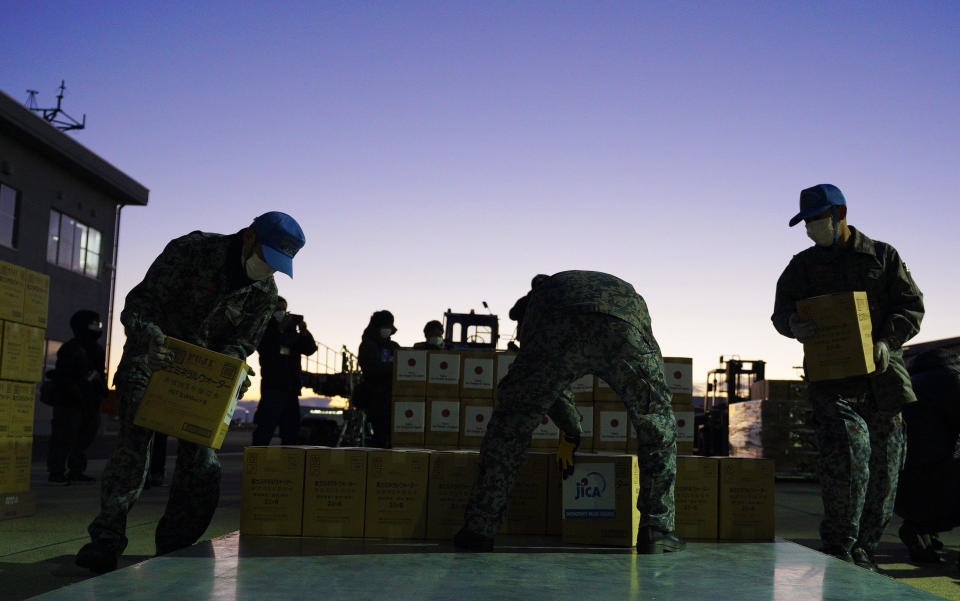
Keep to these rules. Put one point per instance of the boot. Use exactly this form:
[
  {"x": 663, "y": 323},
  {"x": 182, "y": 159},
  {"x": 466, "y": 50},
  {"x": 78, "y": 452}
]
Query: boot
[
  {"x": 838, "y": 552},
  {"x": 863, "y": 558},
  {"x": 97, "y": 558},
  {"x": 651, "y": 540},
  {"x": 919, "y": 545},
  {"x": 470, "y": 541}
]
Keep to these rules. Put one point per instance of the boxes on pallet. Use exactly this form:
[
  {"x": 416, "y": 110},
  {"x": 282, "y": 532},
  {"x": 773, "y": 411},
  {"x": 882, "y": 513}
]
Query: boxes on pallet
[
  {"x": 21, "y": 353},
  {"x": 271, "y": 499},
  {"x": 17, "y": 505},
  {"x": 449, "y": 483},
  {"x": 582, "y": 388},
  {"x": 842, "y": 345},
  {"x": 610, "y": 426},
  {"x": 778, "y": 430},
  {"x": 746, "y": 499},
  {"x": 678, "y": 374},
  {"x": 11, "y": 291},
  {"x": 477, "y": 374},
  {"x": 585, "y": 411},
  {"x": 600, "y": 501},
  {"x": 546, "y": 435},
  {"x": 334, "y": 492},
  {"x": 696, "y": 495},
  {"x": 525, "y": 508},
  {"x": 443, "y": 374},
  {"x": 504, "y": 361},
  {"x": 778, "y": 390},
  {"x": 443, "y": 424},
  {"x": 410, "y": 373},
  {"x": 36, "y": 297},
  {"x": 194, "y": 398},
  {"x": 408, "y": 421},
  {"x": 396, "y": 504},
  {"x": 474, "y": 417},
  {"x": 684, "y": 414}
]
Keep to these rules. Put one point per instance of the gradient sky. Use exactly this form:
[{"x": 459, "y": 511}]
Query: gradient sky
[{"x": 440, "y": 154}]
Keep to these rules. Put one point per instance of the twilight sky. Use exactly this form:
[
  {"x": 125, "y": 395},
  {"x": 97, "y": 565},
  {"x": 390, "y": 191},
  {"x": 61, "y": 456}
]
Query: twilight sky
[{"x": 439, "y": 154}]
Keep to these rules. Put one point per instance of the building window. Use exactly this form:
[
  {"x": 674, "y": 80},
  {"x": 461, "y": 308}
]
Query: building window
[
  {"x": 73, "y": 245},
  {"x": 9, "y": 211}
]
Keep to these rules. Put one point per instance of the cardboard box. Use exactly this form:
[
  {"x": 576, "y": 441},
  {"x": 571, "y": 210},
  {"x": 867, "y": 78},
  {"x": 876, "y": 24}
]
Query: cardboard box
[
  {"x": 451, "y": 478},
  {"x": 600, "y": 501},
  {"x": 409, "y": 422},
  {"x": 684, "y": 415},
  {"x": 334, "y": 492},
  {"x": 696, "y": 495},
  {"x": 271, "y": 501},
  {"x": 678, "y": 373},
  {"x": 778, "y": 390},
  {"x": 746, "y": 499},
  {"x": 36, "y": 298},
  {"x": 443, "y": 374},
  {"x": 554, "y": 501},
  {"x": 410, "y": 373},
  {"x": 11, "y": 292},
  {"x": 477, "y": 375},
  {"x": 610, "y": 427},
  {"x": 443, "y": 423},
  {"x": 526, "y": 508},
  {"x": 582, "y": 388},
  {"x": 842, "y": 346},
  {"x": 778, "y": 430},
  {"x": 21, "y": 357},
  {"x": 603, "y": 392},
  {"x": 586, "y": 411},
  {"x": 17, "y": 505},
  {"x": 474, "y": 416},
  {"x": 17, "y": 401},
  {"x": 396, "y": 505},
  {"x": 504, "y": 361},
  {"x": 15, "y": 455},
  {"x": 195, "y": 397},
  {"x": 546, "y": 435}
]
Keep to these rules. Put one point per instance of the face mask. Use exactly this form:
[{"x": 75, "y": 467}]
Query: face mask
[
  {"x": 821, "y": 231},
  {"x": 436, "y": 340},
  {"x": 94, "y": 331},
  {"x": 386, "y": 332},
  {"x": 278, "y": 315},
  {"x": 257, "y": 268}
]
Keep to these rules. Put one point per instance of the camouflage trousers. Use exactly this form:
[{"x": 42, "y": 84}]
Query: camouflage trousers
[
  {"x": 194, "y": 490},
  {"x": 861, "y": 455},
  {"x": 550, "y": 359}
]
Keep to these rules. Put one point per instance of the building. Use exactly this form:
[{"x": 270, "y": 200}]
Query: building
[{"x": 60, "y": 215}]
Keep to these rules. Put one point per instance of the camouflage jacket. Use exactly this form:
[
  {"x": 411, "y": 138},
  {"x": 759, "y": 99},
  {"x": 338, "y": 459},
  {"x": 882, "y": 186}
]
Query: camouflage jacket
[
  {"x": 575, "y": 292},
  {"x": 896, "y": 304},
  {"x": 196, "y": 291}
]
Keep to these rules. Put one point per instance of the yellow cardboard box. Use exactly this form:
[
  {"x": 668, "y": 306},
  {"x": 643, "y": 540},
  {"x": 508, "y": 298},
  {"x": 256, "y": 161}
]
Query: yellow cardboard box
[
  {"x": 8, "y": 453},
  {"x": 474, "y": 417},
  {"x": 396, "y": 505},
  {"x": 410, "y": 373},
  {"x": 195, "y": 397},
  {"x": 21, "y": 357},
  {"x": 18, "y": 505},
  {"x": 842, "y": 345},
  {"x": 443, "y": 374},
  {"x": 271, "y": 501},
  {"x": 696, "y": 494},
  {"x": 746, "y": 499},
  {"x": 18, "y": 398},
  {"x": 610, "y": 426},
  {"x": 11, "y": 292},
  {"x": 15, "y": 455},
  {"x": 451, "y": 478},
  {"x": 554, "y": 501},
  {"x": 600, "y": 501},
  {"x": 409, "y": 420},
  {"x": 586, "y": 412},
  {"x": 443, "y": 423},
  {"x": 334, "y": 492},
  {"x": 526, "y": 508},
  {"x": 36, "y": 298},
  {"x": 477, "y": 374}
]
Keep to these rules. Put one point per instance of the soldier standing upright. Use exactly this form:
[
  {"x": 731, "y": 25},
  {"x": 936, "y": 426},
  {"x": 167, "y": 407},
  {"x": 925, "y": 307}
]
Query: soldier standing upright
[
  {"x": 211, "y": 290},
  {"x": 858, "y": 422},
  {"x": 577, "y": 323}
]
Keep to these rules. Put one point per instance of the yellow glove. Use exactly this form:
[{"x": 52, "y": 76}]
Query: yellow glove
[{"x": 568, "y": 446}]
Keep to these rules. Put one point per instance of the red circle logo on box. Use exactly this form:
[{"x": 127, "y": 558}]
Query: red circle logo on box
[
  {"x": 681, "y": 422},
  {"x": 478, "y": 370},
  {"x": 584, "y": 481},
  {"x": 445, "y": 413},
  {"x": 614, "y": 423},
  {"x": 479, "y": 417},
  {"x": 544, "y": 421},
  {"x": 443, "y": 365},
  {"x": 408, "y": 413},
  {"x": 411, "y": 361},
  {"x": 677, "y": 375}
]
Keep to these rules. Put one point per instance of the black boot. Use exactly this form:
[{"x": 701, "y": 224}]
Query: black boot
[
  {"x": 650, "y": 540},
  {"x": 470, "y": 541},
  {"x": 863, "y": 558},
  {"x": 97, "y": 558},
  {"x": 919, "y": 545}
]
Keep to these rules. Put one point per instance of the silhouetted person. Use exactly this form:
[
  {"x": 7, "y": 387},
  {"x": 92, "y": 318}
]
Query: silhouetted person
[
  {"x": 375, "y": 357},
  {"x": 433, "y": 338}
]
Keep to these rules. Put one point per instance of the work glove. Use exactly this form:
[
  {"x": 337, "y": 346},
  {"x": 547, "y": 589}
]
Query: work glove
[
  {"x": 158, "y": 356},
  {"x": 881, "y": 356},
  {"x": 802, "y": 330},
  {"x": 568, "y": 446},
  {"x": 245, "y": 385}
]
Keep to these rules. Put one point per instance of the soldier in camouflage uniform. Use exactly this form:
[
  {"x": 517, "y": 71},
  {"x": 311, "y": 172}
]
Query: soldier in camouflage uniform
[
  {"x": 210, "y": 290},
  {"x": 578, "y": 323},
  {"x": 857, "y": 420}
]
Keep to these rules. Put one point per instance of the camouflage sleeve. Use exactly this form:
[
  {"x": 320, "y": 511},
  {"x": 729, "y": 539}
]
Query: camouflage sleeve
[
  {"x": 904, "y": 303},
  {"x": 564, "y": 414},
  {"x": 790, "y": 289},
  {"x": 251, "y": 328}
]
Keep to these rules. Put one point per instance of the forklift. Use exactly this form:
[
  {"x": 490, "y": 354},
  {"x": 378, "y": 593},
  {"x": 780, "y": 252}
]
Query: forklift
[{"x": 729, "y": 383}]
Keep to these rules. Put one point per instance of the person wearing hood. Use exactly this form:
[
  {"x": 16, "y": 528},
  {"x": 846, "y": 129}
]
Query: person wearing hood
[
  {"x": 857, "y": 420},
  {"x": 433, "y": 338},
  {"x": 211, "y": 290},
  {"x": 376, "y": 364},
  {"x": 81, "y": 385}
]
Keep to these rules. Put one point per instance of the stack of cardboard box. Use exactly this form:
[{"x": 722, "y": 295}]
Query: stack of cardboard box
[{"x": 24, "y": 297}]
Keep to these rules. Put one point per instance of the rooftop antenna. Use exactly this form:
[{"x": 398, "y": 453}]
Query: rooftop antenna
[{"x": 55, "y": 116}]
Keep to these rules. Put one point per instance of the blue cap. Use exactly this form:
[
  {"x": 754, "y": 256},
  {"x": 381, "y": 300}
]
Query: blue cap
[
  {"x": 816, "y": 200},
  {"x": 280, "y": 238}
]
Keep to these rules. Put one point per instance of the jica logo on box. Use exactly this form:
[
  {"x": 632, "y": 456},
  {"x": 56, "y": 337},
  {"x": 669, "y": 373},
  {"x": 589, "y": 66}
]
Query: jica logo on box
[
  {"x": 589, "y": 494},
  {"x": 591, "y": 485}
]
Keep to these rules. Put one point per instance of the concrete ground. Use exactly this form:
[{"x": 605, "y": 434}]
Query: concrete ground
[{"x": 36, "y": 553}]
